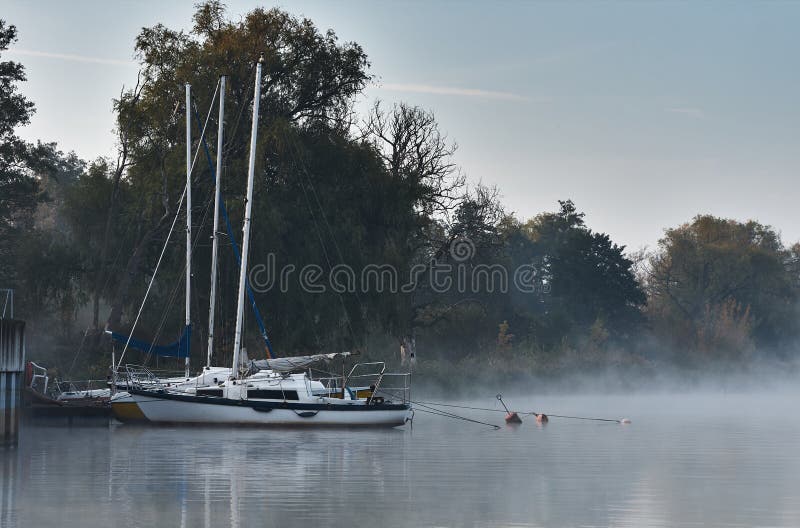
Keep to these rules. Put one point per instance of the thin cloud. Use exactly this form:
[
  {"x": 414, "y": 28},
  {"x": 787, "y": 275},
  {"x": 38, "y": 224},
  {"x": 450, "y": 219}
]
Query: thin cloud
[
  {"x": 573, "y": 53},
  {"x": 70, "y": 57},
  {"x": 691, "y": 112},
  {"x": 452, "y": 90}
]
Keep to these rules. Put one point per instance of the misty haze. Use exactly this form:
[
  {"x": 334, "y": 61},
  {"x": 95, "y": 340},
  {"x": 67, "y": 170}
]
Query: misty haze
[{"x": 399, "y": 264}]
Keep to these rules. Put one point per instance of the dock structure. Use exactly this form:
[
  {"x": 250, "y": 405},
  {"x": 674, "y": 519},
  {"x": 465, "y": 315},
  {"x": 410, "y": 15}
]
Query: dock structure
[{"x": 12, "y": 372}]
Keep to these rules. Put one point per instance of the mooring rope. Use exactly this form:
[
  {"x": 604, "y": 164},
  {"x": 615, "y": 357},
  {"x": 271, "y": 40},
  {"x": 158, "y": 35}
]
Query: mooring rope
[
  {"x": 576, "y": 417},
  {"x": 530, "y": 413},
  {"x": 445, "y": 414}
]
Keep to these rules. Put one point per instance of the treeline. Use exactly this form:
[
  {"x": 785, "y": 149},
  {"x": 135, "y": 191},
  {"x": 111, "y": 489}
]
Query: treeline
[{"x": 456, "y": 278}]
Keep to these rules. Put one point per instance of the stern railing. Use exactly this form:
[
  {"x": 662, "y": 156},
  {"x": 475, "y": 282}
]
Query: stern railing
[
  {"x": 372, "y": 378},
  {"x": 81, "y": 388},
  {"x": 138, "y": 377}
]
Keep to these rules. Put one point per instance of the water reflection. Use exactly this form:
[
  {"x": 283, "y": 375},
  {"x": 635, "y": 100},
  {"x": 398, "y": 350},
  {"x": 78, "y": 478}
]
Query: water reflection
[
  {"x": 9, "y": 469},
  {"x": 684, "y": 461},
  {"x": 215, "y": 477}
]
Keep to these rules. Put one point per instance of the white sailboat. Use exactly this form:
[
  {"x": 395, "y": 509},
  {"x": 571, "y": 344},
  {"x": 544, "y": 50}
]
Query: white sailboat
[
  {"x": 272, "y": 391},
  {"x": 278, "y": 397}
]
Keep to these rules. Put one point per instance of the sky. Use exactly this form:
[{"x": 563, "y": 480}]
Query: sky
[{"x": 645, "y": 114}]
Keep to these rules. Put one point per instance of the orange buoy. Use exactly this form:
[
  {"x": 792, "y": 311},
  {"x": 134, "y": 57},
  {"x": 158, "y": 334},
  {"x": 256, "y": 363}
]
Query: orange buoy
[{"x": 511, "y": 417}]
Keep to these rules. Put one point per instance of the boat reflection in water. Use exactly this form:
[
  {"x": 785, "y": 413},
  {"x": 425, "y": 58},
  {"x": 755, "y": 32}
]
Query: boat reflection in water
[{"x": 264, "y": 476}]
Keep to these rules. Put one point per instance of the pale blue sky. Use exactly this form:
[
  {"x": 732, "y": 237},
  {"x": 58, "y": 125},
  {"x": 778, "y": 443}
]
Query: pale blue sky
[{"x": 645, "y": 114}]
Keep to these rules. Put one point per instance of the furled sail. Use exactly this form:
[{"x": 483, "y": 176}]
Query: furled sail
[
  {"x": 178, "y": 349},
  {"x": 289, "y": 364}
]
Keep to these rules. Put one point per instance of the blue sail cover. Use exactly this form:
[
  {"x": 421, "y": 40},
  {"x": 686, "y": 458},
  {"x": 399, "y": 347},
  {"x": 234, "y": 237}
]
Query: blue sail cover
[{"x": 178, "y": 349}]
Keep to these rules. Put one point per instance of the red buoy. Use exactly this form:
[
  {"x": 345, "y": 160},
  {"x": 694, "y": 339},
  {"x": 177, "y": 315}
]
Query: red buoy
[{"x": 511, "y": 417}]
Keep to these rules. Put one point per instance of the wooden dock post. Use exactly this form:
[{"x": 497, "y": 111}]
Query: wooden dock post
[{"x": 12, "y": 374}]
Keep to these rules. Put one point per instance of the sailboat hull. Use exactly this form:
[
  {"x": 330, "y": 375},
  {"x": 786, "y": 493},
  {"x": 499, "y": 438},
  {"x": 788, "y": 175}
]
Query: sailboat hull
[
  {"x": 187, "y": 409},
  {"x": 125, "y": 408}
]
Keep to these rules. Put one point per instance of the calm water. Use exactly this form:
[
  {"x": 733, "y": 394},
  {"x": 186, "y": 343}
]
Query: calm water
[{"x": 686, "y": 460}]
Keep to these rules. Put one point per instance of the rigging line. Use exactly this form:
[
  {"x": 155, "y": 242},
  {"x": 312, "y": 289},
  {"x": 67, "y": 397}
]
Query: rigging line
[
  {"x": 244, "y": 104},
  {"x": 153, "y": 278},
  {"x": 321, "y": 240},
  {"x": 80, "y": 348},
  {"x": 431, "y": 408},
  {"x": 577, "y": 417},
  {"x": 166, "y": 242},
  {"x": 327, "y": 258},
  {"x": 178, "y": 285},
  {"x": 324, "y": 217},
  {"x": 237, "y": 254},
  {"x": 456, "y": 417},
  {"x": 173, "y": 295},
  {"x": 458, "y": 406},
  {"x": 304, "y": 169}
]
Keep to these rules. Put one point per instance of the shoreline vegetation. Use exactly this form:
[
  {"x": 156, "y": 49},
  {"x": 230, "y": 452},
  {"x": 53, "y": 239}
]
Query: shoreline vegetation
[
  {"x": 549, "y": 299},
  {"x": 469, "y": 379}
]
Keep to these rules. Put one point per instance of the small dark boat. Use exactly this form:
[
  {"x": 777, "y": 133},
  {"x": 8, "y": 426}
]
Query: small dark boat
[{"x": 42, "y": 398}]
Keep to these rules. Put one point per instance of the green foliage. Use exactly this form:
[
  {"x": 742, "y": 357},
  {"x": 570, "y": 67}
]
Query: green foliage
[
  {"x": 18, "y": 187},
  {"x": 315, "y": 176},
  {"x": 586, "y": 276},
  {"x": 586, "y": 296},
  {"x": 337, "y": 192},
  {"x": 715, "y": 273}
]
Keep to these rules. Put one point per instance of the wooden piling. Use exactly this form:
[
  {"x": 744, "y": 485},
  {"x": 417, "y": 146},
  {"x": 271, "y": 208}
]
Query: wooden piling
[{"x": 12, "y": 377}]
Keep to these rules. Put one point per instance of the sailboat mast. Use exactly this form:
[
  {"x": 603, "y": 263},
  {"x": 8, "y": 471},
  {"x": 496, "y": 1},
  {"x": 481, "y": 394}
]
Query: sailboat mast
[
  {"x": 251, "y": 169},
  {"x": 188, "y": 213},
  {"x": 215, "y": 238}
]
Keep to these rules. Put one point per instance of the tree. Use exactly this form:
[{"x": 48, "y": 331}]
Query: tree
[
  {"x": 310, "y": 80},
  {"x": 419, "y": 160},
  {"x": 588, "y": 278},
  {"x": 18, "y": 186},
  {"x": 714, "y": 269}
]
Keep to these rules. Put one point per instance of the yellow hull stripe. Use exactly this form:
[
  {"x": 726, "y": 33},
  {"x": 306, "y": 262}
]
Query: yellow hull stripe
[{"x": 127, "y": 412}]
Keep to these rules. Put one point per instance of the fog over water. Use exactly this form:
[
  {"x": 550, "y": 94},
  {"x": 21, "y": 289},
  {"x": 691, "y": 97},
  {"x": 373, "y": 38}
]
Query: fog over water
[{"x": 710, "y": 458}]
